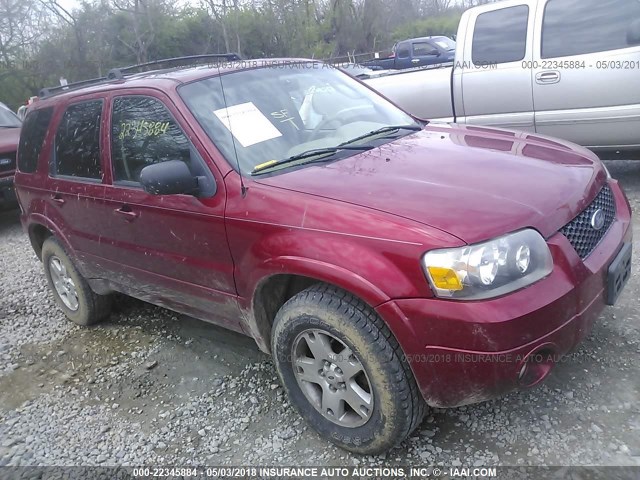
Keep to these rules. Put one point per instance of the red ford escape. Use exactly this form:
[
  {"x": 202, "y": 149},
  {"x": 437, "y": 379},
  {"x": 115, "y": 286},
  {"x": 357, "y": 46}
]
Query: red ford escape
[{"x": 386, "y": 263}]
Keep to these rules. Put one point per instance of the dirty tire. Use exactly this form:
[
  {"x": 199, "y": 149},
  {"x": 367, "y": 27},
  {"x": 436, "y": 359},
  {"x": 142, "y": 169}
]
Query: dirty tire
[
  {"x": 91, "y": 307},
  {"x": 398, "y": 407}
]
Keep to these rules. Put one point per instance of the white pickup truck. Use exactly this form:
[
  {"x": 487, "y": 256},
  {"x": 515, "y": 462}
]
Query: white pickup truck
[{"x": 566, "y": 68}]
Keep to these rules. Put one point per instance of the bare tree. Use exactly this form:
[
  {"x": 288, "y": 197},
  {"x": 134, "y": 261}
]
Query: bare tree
[
  {"x": 67, "y": 17},
  {"x": 19, "y": 29},
  {"x": 221, "y": 12},
  {"x": 144, "y": 32}
]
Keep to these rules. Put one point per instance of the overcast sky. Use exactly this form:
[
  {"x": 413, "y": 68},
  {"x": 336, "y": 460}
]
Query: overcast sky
[{"x": 71, "y": 4}]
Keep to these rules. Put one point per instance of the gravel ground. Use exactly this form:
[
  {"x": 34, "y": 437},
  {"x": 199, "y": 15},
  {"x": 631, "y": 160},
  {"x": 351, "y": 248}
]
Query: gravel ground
[{"x": 153, "y": 387}]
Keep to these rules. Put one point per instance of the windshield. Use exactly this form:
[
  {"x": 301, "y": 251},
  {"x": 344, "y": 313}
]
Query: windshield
[
  {"x": 277, "y": 113},
  {"x": 8, "y": 118},
  {"x": 445, "y": 43}
]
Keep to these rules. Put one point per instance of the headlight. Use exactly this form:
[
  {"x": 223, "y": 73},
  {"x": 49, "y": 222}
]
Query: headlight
[{"x": 489, "y": 269}]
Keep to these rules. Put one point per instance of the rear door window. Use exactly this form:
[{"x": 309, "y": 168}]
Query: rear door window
[
  {"x": 576, "y": 27},
  {"x": 77, "y": 147},
  {"x": 500, "y": 36},
  {"x": 34, "y": 130}
]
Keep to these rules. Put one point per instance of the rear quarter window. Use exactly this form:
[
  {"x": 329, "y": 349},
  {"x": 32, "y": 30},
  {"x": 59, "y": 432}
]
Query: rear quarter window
[{"x": 34, "y": 130}]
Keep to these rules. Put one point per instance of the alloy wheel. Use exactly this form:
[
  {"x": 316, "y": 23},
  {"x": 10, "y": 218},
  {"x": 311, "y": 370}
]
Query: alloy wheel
[
  {"x": 63, "y": 283},
  {"x": 332, "y": 378}
]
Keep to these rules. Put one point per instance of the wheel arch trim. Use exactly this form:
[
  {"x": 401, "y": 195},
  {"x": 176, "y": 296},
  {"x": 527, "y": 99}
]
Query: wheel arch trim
[
  {"x": 36, "y": 220},
  {"x": 259, "y": 327}
]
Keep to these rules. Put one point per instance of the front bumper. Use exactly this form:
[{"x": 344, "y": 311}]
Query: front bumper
[{"x": 467, "y": 352}]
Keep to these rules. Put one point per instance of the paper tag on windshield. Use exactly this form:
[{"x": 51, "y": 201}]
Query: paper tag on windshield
[{"x": 247, "y": 124}]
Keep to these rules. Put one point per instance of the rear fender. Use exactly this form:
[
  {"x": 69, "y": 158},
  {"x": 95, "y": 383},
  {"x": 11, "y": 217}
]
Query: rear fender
[{"x": 37, "y": 219}]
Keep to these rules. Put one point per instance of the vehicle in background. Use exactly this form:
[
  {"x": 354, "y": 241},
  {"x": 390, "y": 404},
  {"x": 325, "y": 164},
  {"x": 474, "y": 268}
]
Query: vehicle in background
[
  {"x": 566, "y": 68},
  {"x": 9, "y": 136},
  {"x": 22, "y": 112},
  {"x": 416, "y": 52}
]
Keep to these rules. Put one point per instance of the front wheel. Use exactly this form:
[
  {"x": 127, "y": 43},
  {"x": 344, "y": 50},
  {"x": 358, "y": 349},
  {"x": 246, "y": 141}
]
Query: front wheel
[{"x": 343, "y": 370}]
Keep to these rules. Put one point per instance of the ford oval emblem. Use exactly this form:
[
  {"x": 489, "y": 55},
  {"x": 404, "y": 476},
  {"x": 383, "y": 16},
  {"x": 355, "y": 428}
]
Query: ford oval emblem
[{"x": 597, "y": 219}]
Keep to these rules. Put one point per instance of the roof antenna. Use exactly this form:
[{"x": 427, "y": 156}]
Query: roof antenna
[{"x": 243, "y": 188}]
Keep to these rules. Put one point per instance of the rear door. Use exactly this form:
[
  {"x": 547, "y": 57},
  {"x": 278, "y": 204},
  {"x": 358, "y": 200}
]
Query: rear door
[
  {"x": 587, "y": 77},
  {"x": 171, "y": 249},
  {"x": 76, "y": 176},
  {"x": 495, "y": 81}
]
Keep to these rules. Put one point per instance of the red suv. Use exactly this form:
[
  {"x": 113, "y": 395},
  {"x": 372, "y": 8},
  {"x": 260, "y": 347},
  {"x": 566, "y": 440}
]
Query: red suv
[
  {"x": 386, "y": 263},
  {"x": 9, "y": 135}
]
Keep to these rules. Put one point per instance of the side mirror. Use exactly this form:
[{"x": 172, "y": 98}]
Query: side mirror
[
  {"x": 168, "y": 178},
  {"x": 633, "y": 33}
]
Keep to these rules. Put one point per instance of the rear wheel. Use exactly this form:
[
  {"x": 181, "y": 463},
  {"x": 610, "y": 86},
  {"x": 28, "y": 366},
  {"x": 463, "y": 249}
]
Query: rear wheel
[
  {"x": 70, "y": 290},
  {"x": 344, "y": 372}
]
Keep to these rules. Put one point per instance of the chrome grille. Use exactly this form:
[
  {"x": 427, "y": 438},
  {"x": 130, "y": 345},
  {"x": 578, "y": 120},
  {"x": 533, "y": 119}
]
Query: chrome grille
[{"x": 579, "y": 231}]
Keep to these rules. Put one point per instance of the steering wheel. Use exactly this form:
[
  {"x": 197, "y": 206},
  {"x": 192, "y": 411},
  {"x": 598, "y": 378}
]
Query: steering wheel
[{"x": 338, "y": 120}]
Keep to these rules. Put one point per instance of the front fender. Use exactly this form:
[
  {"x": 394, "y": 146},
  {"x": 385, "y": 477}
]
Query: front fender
[
  {"x": 274, "y": 232},
  {"x": 365, "y": 268}
]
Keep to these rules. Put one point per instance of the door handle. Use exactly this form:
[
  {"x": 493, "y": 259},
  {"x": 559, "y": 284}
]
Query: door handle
[
  {"x": 57, "y": 199},
  {"x": 126, "y": 212},
  {"x": 415, "y": 60},
  {"x": 548, "y": 77}
]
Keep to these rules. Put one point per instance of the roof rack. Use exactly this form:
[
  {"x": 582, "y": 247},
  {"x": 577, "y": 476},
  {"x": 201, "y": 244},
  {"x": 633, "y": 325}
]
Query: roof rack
[{"x": 122, "y": 72}]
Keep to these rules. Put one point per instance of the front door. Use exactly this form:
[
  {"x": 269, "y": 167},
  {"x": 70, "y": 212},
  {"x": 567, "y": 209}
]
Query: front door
[
  {"x": 496, "y": 80},
  {"x": 424, "y": 53},
  {"x": 171, "y": 250}
]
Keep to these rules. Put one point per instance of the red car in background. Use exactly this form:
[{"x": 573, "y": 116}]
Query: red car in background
[{"x": 9, "y": 136}]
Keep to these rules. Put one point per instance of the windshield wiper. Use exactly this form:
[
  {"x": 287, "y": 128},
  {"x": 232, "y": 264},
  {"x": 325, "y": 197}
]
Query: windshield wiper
[
  {"x": 379, "y": 131},
  {"x": 316, "y": 152},
  {"x": 9, "y": 126}
]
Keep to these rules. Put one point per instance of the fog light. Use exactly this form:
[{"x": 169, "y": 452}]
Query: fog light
[{"x": 536, "y": 366}]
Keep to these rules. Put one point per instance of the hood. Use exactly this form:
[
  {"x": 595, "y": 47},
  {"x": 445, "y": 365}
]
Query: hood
[
  {"x": 9, "y": 138},
  {"x": 473, "y": 182}
]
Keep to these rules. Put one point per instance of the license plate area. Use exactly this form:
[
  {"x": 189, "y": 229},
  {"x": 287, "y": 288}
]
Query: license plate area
[{"x": 618, "y": 274}]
